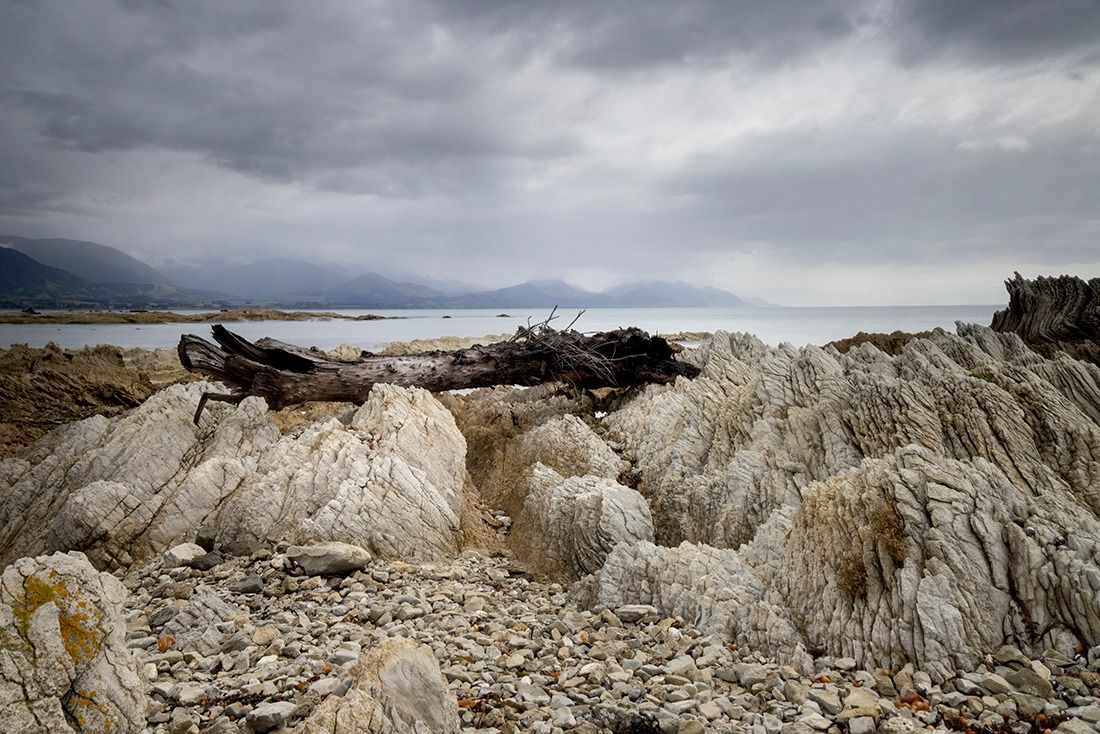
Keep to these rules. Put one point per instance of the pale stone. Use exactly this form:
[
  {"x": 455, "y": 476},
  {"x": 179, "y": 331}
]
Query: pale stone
[
  {"x": 64, "y": 654},
  {"x": 398, "y": 688},
  {"x": 328, "y": 558}
]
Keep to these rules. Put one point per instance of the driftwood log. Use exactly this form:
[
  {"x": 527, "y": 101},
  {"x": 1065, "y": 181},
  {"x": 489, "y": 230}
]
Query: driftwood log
[{"x": 283, "y": 374}]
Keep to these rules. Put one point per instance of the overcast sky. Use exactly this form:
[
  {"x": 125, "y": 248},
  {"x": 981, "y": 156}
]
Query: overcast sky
[{"x": 805, "y": 152}]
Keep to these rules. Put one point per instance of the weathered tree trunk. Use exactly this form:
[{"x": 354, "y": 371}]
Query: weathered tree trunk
[{"x": 284, "y": 375}]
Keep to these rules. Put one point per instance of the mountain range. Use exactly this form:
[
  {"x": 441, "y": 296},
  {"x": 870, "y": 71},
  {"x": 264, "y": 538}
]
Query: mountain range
[{"x": 73, "y": 273}]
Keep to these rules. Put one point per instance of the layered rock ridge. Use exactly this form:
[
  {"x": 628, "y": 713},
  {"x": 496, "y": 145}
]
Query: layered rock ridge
[
  {"x": 123, "y": 490},
  {"x": 922, "y": 508},
  {"x": 1054, "y": 314}
]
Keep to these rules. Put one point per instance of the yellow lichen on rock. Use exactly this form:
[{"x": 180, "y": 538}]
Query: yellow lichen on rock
[{"x": 80, "y": 631}]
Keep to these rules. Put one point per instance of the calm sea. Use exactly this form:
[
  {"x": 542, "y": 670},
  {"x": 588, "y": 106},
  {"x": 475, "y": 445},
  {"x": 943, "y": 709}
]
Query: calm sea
[{"x": 794, "y": 325}]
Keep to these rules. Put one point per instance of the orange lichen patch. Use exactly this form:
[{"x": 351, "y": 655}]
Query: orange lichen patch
[
  {"x": 90, "y": 714},
  {"x": 80, "y": 633}
]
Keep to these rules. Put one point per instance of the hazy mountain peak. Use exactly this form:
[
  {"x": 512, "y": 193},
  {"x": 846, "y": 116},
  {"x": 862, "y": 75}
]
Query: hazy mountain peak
[{"x": 91, "y": 261}]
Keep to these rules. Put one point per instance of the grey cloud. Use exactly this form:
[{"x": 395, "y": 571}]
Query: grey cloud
[
  {"x": 508, "y": 139},
  {"x": 325, "y": 100},
  {"x": 897, "y": 197},
  {"x": 636, "y": 36},
  {"x": 998, "y": 31}
]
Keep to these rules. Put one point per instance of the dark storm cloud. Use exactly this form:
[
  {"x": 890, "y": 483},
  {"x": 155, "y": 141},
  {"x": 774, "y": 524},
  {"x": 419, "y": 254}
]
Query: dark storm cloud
[
  {"x": 499, "y": 140},
  {"x": 998, "y": 31},
  {"x": 292, "y": 94}
]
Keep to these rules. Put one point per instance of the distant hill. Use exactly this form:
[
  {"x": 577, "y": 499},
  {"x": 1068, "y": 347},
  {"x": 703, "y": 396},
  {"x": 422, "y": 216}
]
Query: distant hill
[
  {"x": 262, "y": 280},
  {"x": 669, "y": 295},
  {"x": 61, "y": 272},
  {"x": 93, "y": 262},
  {"x": 531, "y": 294},
  {"x": 25, "y": 281},
  {"x": 372, "y": 290},
  {"x": 25, "y": 277}
]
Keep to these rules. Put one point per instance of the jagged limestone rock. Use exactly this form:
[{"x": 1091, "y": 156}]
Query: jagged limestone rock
[
  {"x": 730, "y": 458},
  {"x": 392, "y": 483},
  {"x": 128, "y": 488},
  {"x": 398, "y": 689},
  {"x": 508, "y": 430},
  {"x": 1062, "y": 309},
  {"x": 64, "y": 664},
  {"x": 569, "y": 525},
  {"x": 918, "y": 558},
  {"x": 710, "y": 588}
]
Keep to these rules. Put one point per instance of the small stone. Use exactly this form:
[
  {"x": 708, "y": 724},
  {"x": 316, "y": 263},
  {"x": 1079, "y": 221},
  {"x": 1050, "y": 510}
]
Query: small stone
[
  {"x": 816, "y": 721},
  {"x": 163, "y": 615},
  {"x": 1074, "y": 726},
  {"x": 749, "y": 674},
  {"x": 325, "y": 686},
  {"x": 680, "y": 665},
  {"x": 710, "y": 709},
  {"x": 861, "y": 698},
  {"x": 265, "y": 635},
  {"x": 267, "y": 716},
  {"x": 1028, "y": 681},
  {"x": 897, "y": 725},
  {"x": 189, "y": 693},
  {"x": 249, "y": 585},
  {"x": 994, "y": 683},
  {"x": 828, "y": 700},
  {"x": 181, "y": 554},
  {"x": 635, "y": 612},
  {"x": 861, "y": 725},
  {"x": 206, "y": 561},
  {"x": 563, "y": 718},
  {"x": 329, "y": 558}
]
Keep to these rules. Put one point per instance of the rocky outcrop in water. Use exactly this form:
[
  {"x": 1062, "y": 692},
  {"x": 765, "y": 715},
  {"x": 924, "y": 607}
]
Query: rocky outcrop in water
[
  {"x": 64, "y": 663},
  {"x": 1054, "y": 314},
  {"x": 125, "y": 489}
]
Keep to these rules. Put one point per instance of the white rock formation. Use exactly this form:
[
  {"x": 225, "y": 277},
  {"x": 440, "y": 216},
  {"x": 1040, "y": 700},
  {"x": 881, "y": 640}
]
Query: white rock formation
[
  {"x": 63, "y": 654},
  {"x": 710, "y": 588},
  {"x": 131, "y": 487},
  {"x": 569, "y": 525},
  {"x": 398, "y": 689},
  {"x": 926, "y": 507}
]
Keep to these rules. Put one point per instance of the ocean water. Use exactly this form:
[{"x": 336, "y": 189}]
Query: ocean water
[{"x": 773, "y": 325}]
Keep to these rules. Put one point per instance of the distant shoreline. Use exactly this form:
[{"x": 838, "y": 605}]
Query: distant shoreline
[{"x": 171, "y": 317}]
